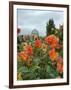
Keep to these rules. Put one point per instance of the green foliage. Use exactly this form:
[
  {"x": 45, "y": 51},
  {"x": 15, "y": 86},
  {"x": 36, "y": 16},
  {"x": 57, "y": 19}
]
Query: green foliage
[
  {"x": 19, "y": 47},
  {"x": 50, "y": 27},
  {"x": 52, "y": 71},
  {"x": 19, "y": 39},
  {"x": 41, "y": 68},
  {"x": 61, "y": 34}
]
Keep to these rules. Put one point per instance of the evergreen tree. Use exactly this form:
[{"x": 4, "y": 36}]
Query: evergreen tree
[
  {"x": 50, "y": 27},
  {"x": 61, "y": 34}
]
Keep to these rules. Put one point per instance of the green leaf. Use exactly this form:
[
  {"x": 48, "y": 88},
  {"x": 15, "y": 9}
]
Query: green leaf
[
  {"x": 36, "y": 61},
  {"x": 23, "y": 69},
  {"x": 19, "y": 47},
  {"x": 52, "y": 71}
]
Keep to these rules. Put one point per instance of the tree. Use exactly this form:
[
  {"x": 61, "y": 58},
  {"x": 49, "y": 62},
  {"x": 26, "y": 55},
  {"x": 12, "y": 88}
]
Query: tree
[
  {"x": 61, "y": 34},
  {"x": 50, "y": 27}
]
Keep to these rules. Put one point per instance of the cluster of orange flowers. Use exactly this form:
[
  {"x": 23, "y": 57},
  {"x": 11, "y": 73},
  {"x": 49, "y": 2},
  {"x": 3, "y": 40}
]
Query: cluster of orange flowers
[
  {"x": 29, "y": 50},
  {"x": 26, "y": 53},
  {"x": 52, "y": 41},
  {"x": 54, "y": 56},
  {"x": 23, "y": 55}
]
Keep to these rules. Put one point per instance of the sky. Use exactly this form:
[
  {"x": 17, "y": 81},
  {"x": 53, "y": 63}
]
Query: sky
[{"x": 27, "y": 20}]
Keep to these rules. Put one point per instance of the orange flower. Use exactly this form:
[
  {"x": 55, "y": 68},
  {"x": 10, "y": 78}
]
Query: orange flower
[
  {"x": 52, "y": 41},
  {"x": 53, "y": 55},
  {"x": 23, "y": 55},
  {"x": 29, "y": 49},
  {"x": 60, "y": 67},
  {"x": 38, "y": 43}
]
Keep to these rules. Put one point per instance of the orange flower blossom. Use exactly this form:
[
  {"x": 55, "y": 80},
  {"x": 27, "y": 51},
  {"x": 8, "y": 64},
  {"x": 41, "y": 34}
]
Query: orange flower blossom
[
  {"x": 29, "y": 49},
  {"x": 53, "y": 55},
  {"x": 52, "y": 41},
  {"x": 38, "y": 43},
  {"x": 24, "y": 55}
]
